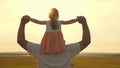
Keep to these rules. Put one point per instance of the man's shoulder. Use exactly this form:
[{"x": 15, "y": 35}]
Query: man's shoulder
[
  {"x": 33, "y": 48},
  {"x": 73, "y": 48},
  {"x": 76, "y": 44}
]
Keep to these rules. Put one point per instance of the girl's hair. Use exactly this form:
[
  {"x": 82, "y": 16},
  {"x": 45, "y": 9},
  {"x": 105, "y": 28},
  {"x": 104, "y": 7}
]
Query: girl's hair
[
  {"x": 54, "y": 25},
  {"x": 53, "y": 15}
]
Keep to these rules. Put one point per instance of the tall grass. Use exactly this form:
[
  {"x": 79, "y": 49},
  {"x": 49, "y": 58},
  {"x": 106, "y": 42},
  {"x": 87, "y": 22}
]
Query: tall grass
[{"x": 79, "y": 62}]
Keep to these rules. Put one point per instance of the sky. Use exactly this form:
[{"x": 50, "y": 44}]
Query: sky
[{"x": 103, "y": 18}]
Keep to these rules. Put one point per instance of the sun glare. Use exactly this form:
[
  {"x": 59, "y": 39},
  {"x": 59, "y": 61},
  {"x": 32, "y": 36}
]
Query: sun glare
[{"x": 102, "y": 17}]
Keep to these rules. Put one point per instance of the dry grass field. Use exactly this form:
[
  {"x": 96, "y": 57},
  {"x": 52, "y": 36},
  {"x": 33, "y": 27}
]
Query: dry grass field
[
  {"x": 79, "y": 62},
  {"x": 96, "y": 62}
]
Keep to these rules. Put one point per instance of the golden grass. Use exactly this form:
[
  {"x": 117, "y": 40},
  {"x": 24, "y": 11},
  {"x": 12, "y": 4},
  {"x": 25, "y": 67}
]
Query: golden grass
[
  {"x": 18, "y": 62},
  {"x": 79, "y": 62},
  {"x": 96, "y": 62}
]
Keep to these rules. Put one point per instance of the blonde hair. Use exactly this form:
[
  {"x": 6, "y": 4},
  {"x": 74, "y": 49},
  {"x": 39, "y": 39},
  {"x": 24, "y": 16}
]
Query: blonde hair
[{"x": 54, "y": 15}]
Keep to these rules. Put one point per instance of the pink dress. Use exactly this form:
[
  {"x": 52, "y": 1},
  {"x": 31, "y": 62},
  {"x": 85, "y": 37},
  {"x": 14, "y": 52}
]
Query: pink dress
[{"x": 52, "y": 41}]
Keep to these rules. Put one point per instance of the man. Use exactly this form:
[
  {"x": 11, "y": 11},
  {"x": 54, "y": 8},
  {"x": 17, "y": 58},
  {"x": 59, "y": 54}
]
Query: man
[{"x": 61, "y": 60}]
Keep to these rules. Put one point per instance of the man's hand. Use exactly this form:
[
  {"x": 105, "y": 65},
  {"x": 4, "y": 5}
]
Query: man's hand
[
  {"x": 81, "y": 19},
  {"x": 25, "y": 19}
]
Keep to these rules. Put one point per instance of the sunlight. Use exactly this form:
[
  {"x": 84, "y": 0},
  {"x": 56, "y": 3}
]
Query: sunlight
[
  {"x": 40, "y": 9},
  {"x": 102, "y": 17}
]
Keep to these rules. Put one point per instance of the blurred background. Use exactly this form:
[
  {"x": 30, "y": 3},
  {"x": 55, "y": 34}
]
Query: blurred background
[{"x": 103, "y": 17}]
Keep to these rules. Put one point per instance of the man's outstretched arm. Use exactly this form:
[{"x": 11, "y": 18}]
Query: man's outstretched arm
[
  {"x": 86, "y": 39},
  {"x": 21, "y": 32}
]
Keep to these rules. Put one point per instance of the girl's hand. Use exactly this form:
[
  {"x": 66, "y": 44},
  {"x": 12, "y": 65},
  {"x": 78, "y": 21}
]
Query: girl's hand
[
  {"x": 25, "y": 19},
  {"x": 81, "y": 19}
]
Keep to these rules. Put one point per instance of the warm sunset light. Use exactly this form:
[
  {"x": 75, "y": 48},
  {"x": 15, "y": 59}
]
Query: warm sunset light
[{"x": 103, "y": 18}]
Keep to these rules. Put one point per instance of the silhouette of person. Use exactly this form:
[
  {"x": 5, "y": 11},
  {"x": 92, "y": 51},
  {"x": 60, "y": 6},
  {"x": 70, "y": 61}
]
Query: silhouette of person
[{"x": 59, "y": 60}]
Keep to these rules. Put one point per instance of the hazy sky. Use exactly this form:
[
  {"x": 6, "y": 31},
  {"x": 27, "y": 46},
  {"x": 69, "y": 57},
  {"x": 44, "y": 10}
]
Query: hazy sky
[{"x": 103, "y": 17}]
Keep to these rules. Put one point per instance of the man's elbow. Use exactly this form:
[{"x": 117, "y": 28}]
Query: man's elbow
[
  {"x": 84, "y": 44},
  {"x": 22, "y": 43},
  {"x": 87, "y": 43},
  {"x": 19, "y": 42}
]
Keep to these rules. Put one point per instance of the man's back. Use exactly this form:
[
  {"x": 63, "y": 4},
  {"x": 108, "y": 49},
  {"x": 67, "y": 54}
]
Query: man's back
[{"x": 61, "y": 60}]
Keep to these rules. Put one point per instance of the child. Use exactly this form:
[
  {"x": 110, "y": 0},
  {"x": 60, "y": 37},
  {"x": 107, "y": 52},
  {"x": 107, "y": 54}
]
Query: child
[{"x": 52, "y": 41}]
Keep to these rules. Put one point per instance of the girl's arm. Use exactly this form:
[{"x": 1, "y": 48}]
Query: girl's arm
[
  {"x": 38, "y": 21},
  {"x": 69, "y": 21}
]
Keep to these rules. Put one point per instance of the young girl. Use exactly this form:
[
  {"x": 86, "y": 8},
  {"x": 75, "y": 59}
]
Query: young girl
[{"x": 52, "y": 41}]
